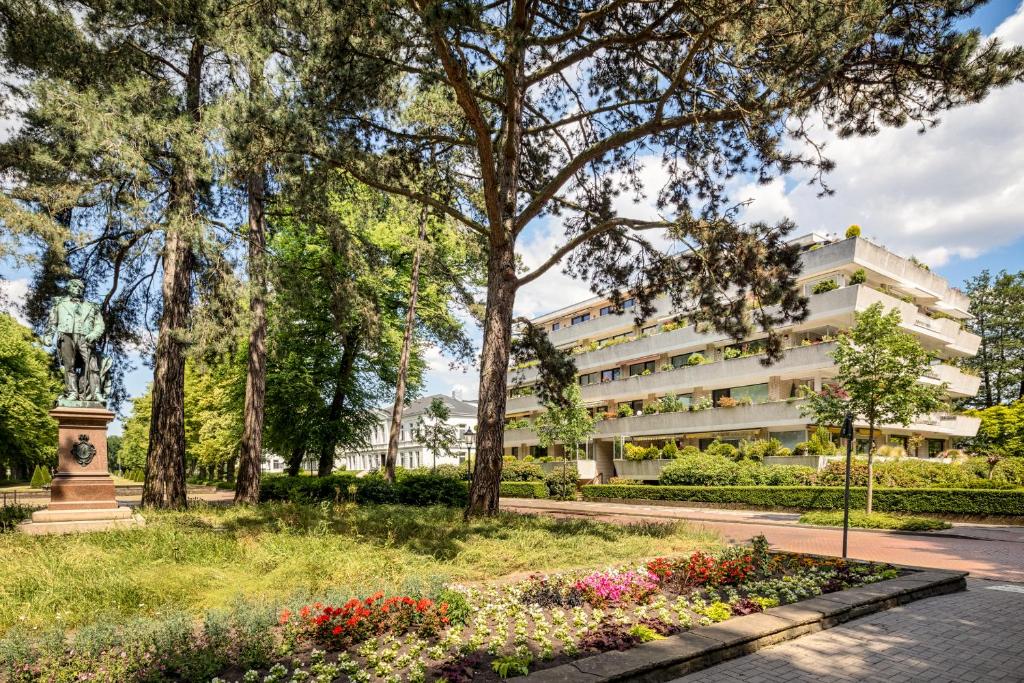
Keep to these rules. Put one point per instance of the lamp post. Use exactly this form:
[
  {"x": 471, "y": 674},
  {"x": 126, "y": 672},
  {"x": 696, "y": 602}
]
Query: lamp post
[
  {"x": 467, "y": 437},
  {"x": 847, "y": 433}
]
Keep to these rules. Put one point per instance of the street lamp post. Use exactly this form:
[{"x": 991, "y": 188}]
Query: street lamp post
[
  {"x": 847, "y": 433},
  {"x": 468, "y": 436}
]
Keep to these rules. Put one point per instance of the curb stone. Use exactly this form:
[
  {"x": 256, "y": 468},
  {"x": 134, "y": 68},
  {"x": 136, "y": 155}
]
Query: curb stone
[{"x": 702, "y": 647}]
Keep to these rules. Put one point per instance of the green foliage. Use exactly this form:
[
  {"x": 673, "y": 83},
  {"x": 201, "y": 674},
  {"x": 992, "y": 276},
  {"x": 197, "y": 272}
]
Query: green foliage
[
  {"x": 13, "y": 515},
  {"x": 37, "y": 478},
  {"x": 562, "y": 482},
  {"x": 566, "y": 422},
  {"x": 514, "y": 469},
  {"x": 429, "y": 489},
  {"x": 948, "y": 501},
  {"x": 433, "y": 431},
  {"x": 670, "y": 451},
  {"x": 1001, "y": 431},
  {"x": 876, "y": 520},
  {"x": 820, "y": 443},
  {"x": 644, "y": 633},
  {"x": 625, "y": 410},
  {"x": 853, "y": 231},
  {"x": 524, "y": 489},
  {"x": 28, "y": 389},
  {"x": 696, "y": 359},
  {"x": 759, "y": 449},
  {"x": 509, "y": 666},
  {"x": 707, "y": 470},
  {"x": 717, "y": 611},
  {"x": 858, "y": 277},
  {"x": 824, "y": 286},
  {"x": 721, "y": 449},
  {"x": 997, "y": 307},
  {"x": 637, "y": 453}
]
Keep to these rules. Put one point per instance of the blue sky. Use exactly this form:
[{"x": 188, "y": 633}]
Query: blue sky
[{"x": 953, "y": 197}]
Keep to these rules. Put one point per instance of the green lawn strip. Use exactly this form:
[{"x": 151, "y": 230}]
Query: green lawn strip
[
  {"x": 275, "y": 553},
  {"x": 876, "y": 520}
]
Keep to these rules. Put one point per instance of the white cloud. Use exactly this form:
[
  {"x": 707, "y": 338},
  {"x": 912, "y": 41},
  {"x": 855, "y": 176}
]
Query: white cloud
[
  {"x": 12, "y": 297},
  {"x": 442, "y": 378}
]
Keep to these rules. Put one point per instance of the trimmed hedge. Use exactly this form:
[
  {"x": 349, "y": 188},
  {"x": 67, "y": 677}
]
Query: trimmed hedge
[
  {"x": 410, "y": 489},
  {"x": 951, "y": 501},
  {"x": 524, "y": 489}
]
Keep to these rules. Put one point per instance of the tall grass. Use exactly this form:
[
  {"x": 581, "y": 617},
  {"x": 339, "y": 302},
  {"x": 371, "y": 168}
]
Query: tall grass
[{"x": 212, "y": 557}]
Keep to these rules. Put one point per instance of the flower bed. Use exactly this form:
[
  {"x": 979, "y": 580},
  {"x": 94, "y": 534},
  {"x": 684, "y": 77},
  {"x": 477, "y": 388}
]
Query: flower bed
[{"x": 498, "y": 631}]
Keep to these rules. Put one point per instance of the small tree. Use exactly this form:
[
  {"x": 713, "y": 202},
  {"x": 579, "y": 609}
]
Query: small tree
[
  {"x": 568, "y": 423},
  {"x": 879, "y": 372},
  {"x": 433, "y": 431}
]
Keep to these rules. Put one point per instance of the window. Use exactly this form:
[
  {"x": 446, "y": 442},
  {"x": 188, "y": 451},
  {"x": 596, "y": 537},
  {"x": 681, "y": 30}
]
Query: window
[
  {"x": 515, "y": 451},
  {"x": 629, "y": 303},
  {"x": 581, "y": 318},
  {"x": 611, "y": 375},
  {"x": 719, "y": 393},
  {"x": 635, "y": 406},
  {"x": 556, "y": 326},
  {"x": 757, "y": 393},
  {"x": 789, "y": 439},
  {"x": 589, "y": 378},
  {"x": 641, "y": 368},
  {"x": 607, "y": 310},
  {"x": 900, "y": 441},
  {"x": 681, "y": 360},
  {"x": 935, "y": 447}
]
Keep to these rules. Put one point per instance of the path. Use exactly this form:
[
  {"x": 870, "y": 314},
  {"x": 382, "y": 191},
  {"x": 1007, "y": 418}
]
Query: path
[
  {"x": 985, "y": 552},
  {"x": 977, "y": 635}
]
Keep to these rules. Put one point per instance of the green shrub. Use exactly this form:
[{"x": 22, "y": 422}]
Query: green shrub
[
  {"x": 853, "y": 231},
  {"x": 514, "y": 469},
  {"x": 452, "y": 471},
  {"x": 952, "y": 501},
  {"x": 1009, "y": 471},
  {"x": 760, "y": 449},
  {"x": 689, "y": 452},
  {"x": 335, "y": 487},
  {"x": 13, "y": 515},
  {"x": 876, "y": 520},
  {"x": 824, "y": 286},
  {"x": 431, "y": 489},
  {"x": 374, "y": 489},
  {"x": 820, "y": 443},
  {"x": 670, "y": 451},
  {"x": 722, "y": 449},
  {"x": 696, "y": 359},
  {"x": 37, "y": 478},
  {"x": 858, "y": 277},
  {"x": 562, "y": 484},
  {"x": 700, "y": 470},
  {"x": 524, "y": 489},
  {"x": 637, "y": 453},
  {"x": 625, "y": 410},
  {"x": 47, "y": 477}
]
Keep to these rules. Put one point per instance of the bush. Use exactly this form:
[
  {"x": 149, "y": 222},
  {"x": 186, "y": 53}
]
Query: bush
[
  {"x": 670, "y": 451},
  {"x": 335, "y": 487},
  {"x": 876, "y": 520},
  {"x": 524, "y": 489},
  {"x": 13, "y": 515},
  {"x": 452, "y": 472},
  {"x": 1009, "y": 471},
  {"x": 853, "y": 231},
  {"x": 430, "y": 489},
  {"x": 625, "y": 410},
  {"x": 637, "y": 453},
  {"x": 514, "y": 469},
  {"x": 820, "y": 443},
  {"x": 696, "y": 359},
  {"x": 705, "y": 470},
  {"x": 37, "y": 478},
  {"x": 374, "y": 489},
  {"x": 760, "y": 449},
  {"x": 722, "y": 449},
  {"x": 562, "y": 485},
  {"x": 859, "y": 277},
  {"x": 953, "y": 501},
  {"x": 824, "y": 286}
]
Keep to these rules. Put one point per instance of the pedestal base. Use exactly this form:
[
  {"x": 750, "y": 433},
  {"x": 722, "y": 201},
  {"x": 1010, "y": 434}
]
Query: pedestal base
[{"x": 45, "y": 522}]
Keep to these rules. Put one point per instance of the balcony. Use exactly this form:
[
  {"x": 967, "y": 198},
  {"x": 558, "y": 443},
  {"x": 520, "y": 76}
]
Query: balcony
[
  {"x": 958, "y": 383},
  {"x": 605, "y": 325},
  {"x": 736, "y": 372}
]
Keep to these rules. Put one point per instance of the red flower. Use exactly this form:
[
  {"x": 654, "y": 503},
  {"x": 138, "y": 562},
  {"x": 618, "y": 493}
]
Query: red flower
[{"x": 336, "y": 631}]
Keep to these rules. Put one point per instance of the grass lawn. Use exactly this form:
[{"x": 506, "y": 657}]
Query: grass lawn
[
  {"x": 210, "y": 557},
  {"x": 876, "y": 520}
]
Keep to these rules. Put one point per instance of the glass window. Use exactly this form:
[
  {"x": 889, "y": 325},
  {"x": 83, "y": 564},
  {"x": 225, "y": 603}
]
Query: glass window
[
  {"x": 900, "y": 441},
  {"x": 757, "y": 393},
  {"x": 641, "y": 368},
  {"x": 636, "y": 406},
  {"x": 719, "y": 393},
  {"x": 790, "y": 439},
  {"x": 581, "y": 318},
  {"x": 607, "y": 310},
  {"x": 556, "y": 326},
  {"x": 681, "y": 360},
  {"x": 589, "y": 378},
  {"x": 629, "y": 303},
  {"x": 611, "y": 375},
  {"x": 936, "y": 446}
]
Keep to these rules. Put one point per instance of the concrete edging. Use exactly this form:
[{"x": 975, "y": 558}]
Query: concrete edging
[{"x": 705, "y": 646}]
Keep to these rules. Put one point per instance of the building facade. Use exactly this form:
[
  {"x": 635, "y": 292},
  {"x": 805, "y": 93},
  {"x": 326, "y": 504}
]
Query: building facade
[
  {"x": 411, "y": 453},
  {"x": 722, "y": 388}
]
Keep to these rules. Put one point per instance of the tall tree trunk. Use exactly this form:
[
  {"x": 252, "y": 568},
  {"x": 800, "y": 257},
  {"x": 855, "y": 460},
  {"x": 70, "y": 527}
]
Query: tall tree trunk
[
  {"x": 403, "y": 359},
  {"x": 165, "y": 485},
  {"x": 501, "y": 293},
  {"x": 247, "y": 487},
  {"x": 871, "y": 468},
  {"x": 346, "y": 368},
  {"x": 295, "y": 459}
]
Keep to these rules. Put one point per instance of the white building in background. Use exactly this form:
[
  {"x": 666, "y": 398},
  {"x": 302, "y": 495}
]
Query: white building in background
[
  {"x": 625, "y": 369},
  {"x": 411, "y": 453}
]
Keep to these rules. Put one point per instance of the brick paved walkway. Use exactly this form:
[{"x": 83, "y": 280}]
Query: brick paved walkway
[
  {"x": 994, "y": 555},
  {"x": 977, "y": 635}
]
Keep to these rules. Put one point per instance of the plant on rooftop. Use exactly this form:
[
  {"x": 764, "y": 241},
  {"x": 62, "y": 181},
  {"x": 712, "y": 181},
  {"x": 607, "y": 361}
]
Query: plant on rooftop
[{"x": 853, "y": 231}]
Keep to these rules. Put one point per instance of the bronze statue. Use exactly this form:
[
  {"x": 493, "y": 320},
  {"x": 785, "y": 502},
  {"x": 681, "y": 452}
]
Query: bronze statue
[{"x": 75, "y": 325}]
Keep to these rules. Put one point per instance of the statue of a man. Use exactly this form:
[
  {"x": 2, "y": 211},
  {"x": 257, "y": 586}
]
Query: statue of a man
[{"x": 75, "y": 325}]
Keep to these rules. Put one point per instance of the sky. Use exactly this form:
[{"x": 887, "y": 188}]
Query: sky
[{"x": 953, "y": 197}]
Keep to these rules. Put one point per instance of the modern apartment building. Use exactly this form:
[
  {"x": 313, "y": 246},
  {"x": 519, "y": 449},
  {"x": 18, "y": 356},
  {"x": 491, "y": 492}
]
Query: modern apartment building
[
  {"x": 411, "y": 453},
  {"x": 724, "y": 390}
]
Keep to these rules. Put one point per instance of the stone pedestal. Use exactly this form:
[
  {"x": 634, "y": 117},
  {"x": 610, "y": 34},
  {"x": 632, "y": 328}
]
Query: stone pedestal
[{"x": 82, "y": 491}]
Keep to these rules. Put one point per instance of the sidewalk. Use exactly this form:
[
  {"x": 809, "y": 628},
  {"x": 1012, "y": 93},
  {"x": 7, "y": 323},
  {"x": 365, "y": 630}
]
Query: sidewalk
[{"x": 976, "y": 635}]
